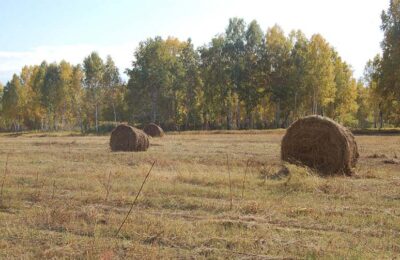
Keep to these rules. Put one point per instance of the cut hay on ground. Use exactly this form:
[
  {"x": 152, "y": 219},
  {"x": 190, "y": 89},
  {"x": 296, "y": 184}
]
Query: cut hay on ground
[
  {"x": 128, "y": 138},
  {"x": 322, "y": 144},
  {"x": 153, "y": 130}
]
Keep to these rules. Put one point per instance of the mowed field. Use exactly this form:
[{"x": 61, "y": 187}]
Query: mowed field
[{"x": 214, "y": 195}]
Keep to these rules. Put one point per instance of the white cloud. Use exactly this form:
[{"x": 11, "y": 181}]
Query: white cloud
[
  {"x": 12, "y": 62},
  {"x": 350, "y": 26}
]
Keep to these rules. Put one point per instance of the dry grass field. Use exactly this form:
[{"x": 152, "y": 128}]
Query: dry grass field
[{"x": 213, "y": 196}]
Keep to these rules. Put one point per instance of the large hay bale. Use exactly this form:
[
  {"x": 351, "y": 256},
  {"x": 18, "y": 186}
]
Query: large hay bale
[
  {"x": 153, "y": 130},
  {"x": 320, "y": 143},
  {"x": 128, "y": 138}
]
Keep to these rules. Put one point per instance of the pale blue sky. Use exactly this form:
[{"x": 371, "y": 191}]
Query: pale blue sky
[{"x": 36, "y": 30}]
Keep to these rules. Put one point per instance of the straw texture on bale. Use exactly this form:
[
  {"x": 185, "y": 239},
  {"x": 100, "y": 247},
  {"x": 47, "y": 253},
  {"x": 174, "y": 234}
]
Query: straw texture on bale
[
  {"x": 128, "y": 138},
  {"x": 153, "y": 130},
  {"x": 320, "y": 143}
]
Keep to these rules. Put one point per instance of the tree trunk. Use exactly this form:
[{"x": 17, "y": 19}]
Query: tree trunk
[
  {"x": 154, "y": 105},
  {"x": 63, "y": 116},
  {"x": 229, "y": 115},
  {"x": 285, "y": 122},
  {"x": 248, "y": 119},
  {"x": 315, "y": 107},
  {"x": 206, "y": 125},
  {"x": 380, "y": 116},
  {"x": 80, "y": 119},
  {"x": 238, "y": 115},
  {"x": 96, "y": 117},
  {"x": 295, "y": 107},
  {"x": 115, "y": 113},
  {"x": 228, "y": 121},
  {"x": 278, "y": 114},
  {"x": 48, "y": 120},
  {"x": 55, "y": 122},
  {"x": 187, "y": 121}
]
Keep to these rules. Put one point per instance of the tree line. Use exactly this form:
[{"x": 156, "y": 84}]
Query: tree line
[
  {"x": 382, "y": 73},
  {"x": 243, "y": 78}
]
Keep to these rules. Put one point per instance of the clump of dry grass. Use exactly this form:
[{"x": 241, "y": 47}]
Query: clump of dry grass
[
  {"x": 377, "y": 155},
  {"x": 3, "y": 181},
  {"x": 392, "y": 161},
  {"x": 134, "y": 201},
  {"x": 301, "y": 178}
]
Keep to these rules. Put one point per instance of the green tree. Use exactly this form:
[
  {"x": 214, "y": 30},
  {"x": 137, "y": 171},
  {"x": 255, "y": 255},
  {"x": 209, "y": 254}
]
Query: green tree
[
  {"x": 215, "y": 74},
  {"x": 297, "y": 79},
  {"x": 2, "y": 121},
  {"x": 254, "y": 78},
  {"x": 278, "y": 52},
  {"x": 36, "y": 96},
  {"x": 344, "y": 106},
  {"x": 31, "y": 119},
  {"x": 93, "y": 67},
  {"x": 112, "y": 82},
  {"x": 154, "y": 81},
  {"x": 320, "y": 74},
  {"x": 76, "y": 96},
  {"x": 1, "y": 94},
  {"x": 12, "y": 100},
  {"x": 364, "y": 109},
  {"x": 192, "y": 87},
  {"x": 372, "y": 78},
  {"x": 64, "y": 93},
  {"x": 53, "y": 95},
  {"x": 234, "y": 52},
  {"x": 390, "y": 78}
]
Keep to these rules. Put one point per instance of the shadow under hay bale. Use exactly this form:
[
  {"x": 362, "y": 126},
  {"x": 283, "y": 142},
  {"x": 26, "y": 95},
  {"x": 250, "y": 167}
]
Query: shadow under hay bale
[
  {"x": 128, "y": 138},
  {"x": 322, "y": 144},
  {"x": 153, "y": 130}
]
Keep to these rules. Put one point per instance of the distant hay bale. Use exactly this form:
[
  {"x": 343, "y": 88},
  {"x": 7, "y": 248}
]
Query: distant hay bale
[
  {"x": 322, "y": 144},
  {"x": 153, "y": 130},
  {"x": 128, "y": 138}
]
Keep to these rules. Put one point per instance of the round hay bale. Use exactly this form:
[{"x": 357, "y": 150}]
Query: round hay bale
[
  {"x": 153, "y": 130},
  {"x": 128, "y": 138},
  {"x": 320, "y": 143}
]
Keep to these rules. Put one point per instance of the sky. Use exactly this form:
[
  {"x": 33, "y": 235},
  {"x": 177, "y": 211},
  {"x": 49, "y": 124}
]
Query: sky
[{"x": 35, "y": 30}]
